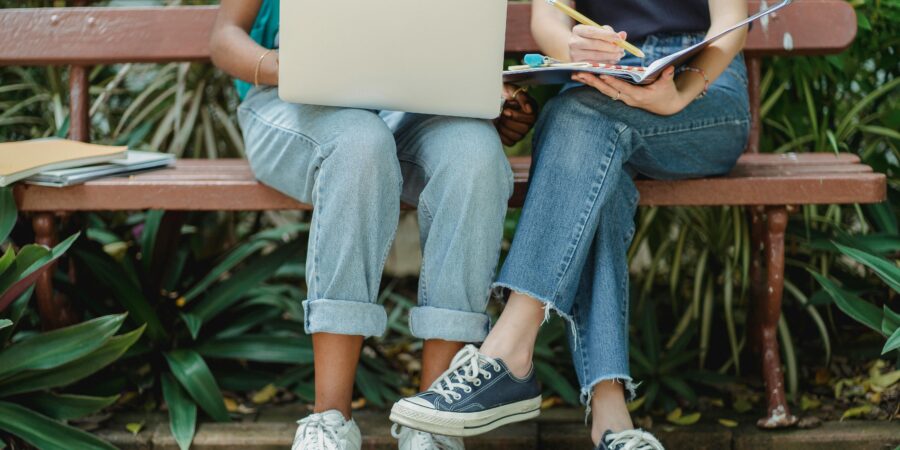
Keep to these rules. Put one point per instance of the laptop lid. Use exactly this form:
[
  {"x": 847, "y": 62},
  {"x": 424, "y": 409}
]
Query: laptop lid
[{"x": 426, "y": 56}]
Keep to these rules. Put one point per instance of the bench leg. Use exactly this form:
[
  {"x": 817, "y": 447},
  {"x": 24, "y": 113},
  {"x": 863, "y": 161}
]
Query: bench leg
[
  {"x": 54, "y": 308},
  {"x": 757, "y": 274},
  {"x": 768, "y": 312}
]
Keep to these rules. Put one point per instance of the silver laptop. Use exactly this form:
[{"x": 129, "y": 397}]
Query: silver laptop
[{"x": 426, "y": 56}]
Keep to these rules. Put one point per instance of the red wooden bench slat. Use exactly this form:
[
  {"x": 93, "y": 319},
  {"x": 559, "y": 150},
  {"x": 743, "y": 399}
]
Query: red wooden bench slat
[
  {"x": 229, "y": 185},
  {"x": 57, "y": 36}
]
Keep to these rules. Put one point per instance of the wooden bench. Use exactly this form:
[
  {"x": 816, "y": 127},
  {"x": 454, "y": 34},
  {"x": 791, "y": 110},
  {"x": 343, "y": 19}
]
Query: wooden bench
[{"x": 770, "y": 185}]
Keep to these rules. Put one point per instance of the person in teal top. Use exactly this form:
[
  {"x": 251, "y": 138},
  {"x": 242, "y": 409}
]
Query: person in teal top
[
  {"x": 355, "y": 167},
  {"x": 264, "y": 32}
]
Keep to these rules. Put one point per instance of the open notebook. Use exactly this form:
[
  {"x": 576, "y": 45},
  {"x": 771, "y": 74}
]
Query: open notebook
[{"x": 561, "y": 74}]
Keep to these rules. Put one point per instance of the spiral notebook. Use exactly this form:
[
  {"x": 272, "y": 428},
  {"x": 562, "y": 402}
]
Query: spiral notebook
[{"x": 562, "y": 73}]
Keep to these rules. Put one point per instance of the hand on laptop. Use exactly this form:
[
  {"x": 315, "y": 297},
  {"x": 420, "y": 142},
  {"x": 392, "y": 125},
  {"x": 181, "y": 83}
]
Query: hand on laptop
[
  {"x": 595, "y": 45},
  {"x": 518, "y": 116}
]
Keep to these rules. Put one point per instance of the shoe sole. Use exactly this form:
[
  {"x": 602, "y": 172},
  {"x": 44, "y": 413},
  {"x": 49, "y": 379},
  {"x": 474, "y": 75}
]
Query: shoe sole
[{"x": 458, "y": 424}]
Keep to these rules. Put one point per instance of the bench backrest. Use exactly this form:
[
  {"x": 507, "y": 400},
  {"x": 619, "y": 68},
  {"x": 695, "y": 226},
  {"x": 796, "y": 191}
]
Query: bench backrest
[{"x": 81, "y": 37}]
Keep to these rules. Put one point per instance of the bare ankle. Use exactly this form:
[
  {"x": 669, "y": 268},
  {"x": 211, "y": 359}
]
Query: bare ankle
[{"x": 610, "y": 412}]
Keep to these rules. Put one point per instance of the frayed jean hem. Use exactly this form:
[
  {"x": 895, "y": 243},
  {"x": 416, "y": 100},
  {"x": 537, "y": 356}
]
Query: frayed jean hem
[
  {"x": 549, "y": 305},
  {"x": 587, "y": 392}
]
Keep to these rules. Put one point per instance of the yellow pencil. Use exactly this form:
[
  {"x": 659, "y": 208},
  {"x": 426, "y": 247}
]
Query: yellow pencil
[{"x": 584, "y": 20}]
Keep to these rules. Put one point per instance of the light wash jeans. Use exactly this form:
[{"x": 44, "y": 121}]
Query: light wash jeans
[
  {"x": 570, "y": 247},
  {"x": 355, "y": 168}
]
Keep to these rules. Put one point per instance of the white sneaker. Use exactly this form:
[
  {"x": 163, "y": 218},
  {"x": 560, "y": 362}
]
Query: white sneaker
[
  {"x": 419, "y": 440},
  {"x": 327, "y": 431}
]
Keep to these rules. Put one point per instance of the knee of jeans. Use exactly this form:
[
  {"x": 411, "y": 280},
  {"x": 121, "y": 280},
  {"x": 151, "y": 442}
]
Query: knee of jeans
[
  {"x": 477, "y": 162},
  {"x": 365, "y": 149}
]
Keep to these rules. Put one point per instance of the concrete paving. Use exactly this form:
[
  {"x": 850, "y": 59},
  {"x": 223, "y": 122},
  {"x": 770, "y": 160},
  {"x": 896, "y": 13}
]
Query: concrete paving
[{"x": 560, "y": 428}]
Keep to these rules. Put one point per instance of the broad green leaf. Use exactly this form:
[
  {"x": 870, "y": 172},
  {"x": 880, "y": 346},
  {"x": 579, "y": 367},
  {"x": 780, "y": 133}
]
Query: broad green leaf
[
  {"x": 8, "y": 212},
  {"x": 890, "y": 321},
  {"x": 234, "y": 258},
  {"x": 5, "y": 323},
  {"x": 44, "y": 432},
  {"x": 886, "y": 270},
  {"x": 58, "y": 347},
  {"x": 193, "y": 324},
  {"x": 892, "y": 343},
  {"x": 275, "y": 349},
  {"x": 148, "y": 237},
  {"x": 681, "y": 387},
  {"x": 554, "y": 380},
  {"x": 37, "y": 380},
  {"x": 28, "y": 256},
  {"x": 7, "y": 260},
  {"x": 114, "y": 277},
  {"x": 17, "y": 310},
  {"x": 367, "y": 382},
  {"x": 31, "y": 261},
  {"x": 229, "y": 291},
  {"x": 65, "y": 406},
  {"x": 192, "y": 372},
  {"x": 855, "y": 307},
  {"x": 182, "y": 411}
]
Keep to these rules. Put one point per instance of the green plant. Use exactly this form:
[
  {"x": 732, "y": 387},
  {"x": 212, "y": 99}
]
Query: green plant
[
  {"x": 882, "y": 320},
  {"x": 204, "y": 318},
  {"x": 37, "y": 369},
  {"x": 665, "y": 370}
]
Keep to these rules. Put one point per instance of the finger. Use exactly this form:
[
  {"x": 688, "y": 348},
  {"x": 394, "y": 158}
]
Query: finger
[
  {"x": 524, "y": 102},
  {"x": 623, "y": 87},
  {"x": 592, "y": 32},
  {"x": 584, "y": 44},
  {"x": 518, "y": 116},
  {"x": 593, "y": 56},
  {"x": 510, "y": 134},
  {"x": 518, "y": 127},
  {"x": 611, "y": 92}
]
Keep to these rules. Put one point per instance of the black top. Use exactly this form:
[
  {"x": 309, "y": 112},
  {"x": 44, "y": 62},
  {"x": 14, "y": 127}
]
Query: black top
[{"x": 641, "y": 18}]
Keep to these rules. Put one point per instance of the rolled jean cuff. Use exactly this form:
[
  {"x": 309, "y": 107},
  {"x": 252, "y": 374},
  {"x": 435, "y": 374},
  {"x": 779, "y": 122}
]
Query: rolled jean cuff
[
  {"x": 344, "y": 317},
  {"x": 428, "y": 322}
]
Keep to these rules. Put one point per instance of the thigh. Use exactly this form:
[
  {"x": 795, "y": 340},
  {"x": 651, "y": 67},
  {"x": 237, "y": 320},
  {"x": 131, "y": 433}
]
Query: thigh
[
  {"x": 454, "y": 149},
  {"x": 286, "y": 143},
  {"x": 706, "y": 138}
]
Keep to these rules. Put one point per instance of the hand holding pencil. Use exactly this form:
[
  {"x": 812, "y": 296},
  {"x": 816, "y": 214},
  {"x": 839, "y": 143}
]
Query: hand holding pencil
[{"x": 584, "y": 20}]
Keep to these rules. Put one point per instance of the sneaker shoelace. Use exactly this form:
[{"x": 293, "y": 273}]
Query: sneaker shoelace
[
  {"x": 320, "y": 432},
  {"x": 467, "y": 367},
  {"x": 424, "y": 440},
  {"x": 633, "y": 440}
]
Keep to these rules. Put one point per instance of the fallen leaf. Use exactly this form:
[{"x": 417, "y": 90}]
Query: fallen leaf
[
  {"x": 674, "y": 414},
  {"x": 856, "y": 412},
  {"x": 358, "y": 403},
  {"x": 728, "y": 423},
  {"x": 636, "y": 404},
  {"x": 550, "y": 402},
  {"x": 677, "y": 417},
  {"x": 742, "y": 405},
  {"x": 230, "y": 404},
  {"x": 885, "y": 381},
  {"x": 264, "y": 395},
  {"x": 807, "y": 403},
  {"x": 717, "y": 402},
  {"x": 823, "y": 376},
  {"x": 134, "y": 427}
]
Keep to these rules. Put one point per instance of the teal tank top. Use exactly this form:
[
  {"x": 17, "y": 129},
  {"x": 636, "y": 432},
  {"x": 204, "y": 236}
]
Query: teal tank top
[{"x": 264, "y": 31}]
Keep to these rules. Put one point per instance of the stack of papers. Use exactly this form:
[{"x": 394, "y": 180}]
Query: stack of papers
[
  {"x": 133, "y": 162},
  {"x": 60, "y": 162}
]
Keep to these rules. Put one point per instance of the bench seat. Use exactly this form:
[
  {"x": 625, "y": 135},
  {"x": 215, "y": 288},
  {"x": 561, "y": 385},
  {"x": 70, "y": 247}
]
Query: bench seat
[{"x": 228, "y": 184}]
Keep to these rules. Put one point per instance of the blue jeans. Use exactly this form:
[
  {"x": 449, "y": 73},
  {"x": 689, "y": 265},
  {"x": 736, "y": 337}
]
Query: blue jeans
[
  {"x": 570, "y": 247},
  {"x": 355, "y": 167}
]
